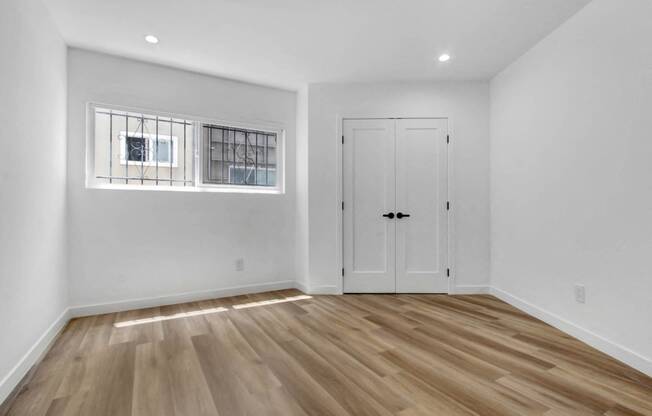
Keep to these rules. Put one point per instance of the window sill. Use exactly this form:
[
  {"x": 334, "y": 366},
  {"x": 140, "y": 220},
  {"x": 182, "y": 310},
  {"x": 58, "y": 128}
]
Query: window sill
[{"x": 196, "y": 189}]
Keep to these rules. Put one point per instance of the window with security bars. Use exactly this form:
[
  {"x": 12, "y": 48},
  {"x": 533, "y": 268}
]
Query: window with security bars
[
  {"x": 148, "y": 150},
  {"x": 142, "y": 149},
  {"x": 234, "y": 156}
]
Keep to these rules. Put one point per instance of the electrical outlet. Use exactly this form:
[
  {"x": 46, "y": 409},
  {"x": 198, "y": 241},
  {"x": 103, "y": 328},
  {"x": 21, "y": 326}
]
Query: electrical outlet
[
  {"x": 580, "y": 294},
  {"x": 239, "y": 265}
]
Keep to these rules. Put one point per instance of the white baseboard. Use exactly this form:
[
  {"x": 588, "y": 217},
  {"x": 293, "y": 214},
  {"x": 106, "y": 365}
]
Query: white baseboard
[
  {"x": 302, "y": 286},
  {"x": 33, "y": 356},
  {"x": 470, "y": 290},
  {"x": 324, "y": 290},
  {"x": 125, "y": 305},
  {"x": 619, "y": 352}
]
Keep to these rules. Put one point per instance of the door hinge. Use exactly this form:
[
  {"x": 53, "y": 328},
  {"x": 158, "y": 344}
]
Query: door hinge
[
  {"x": 448, "y": 205},
  {"x": 342, "y": 139},
  {"x": 448, "y": 272},
  {"x": 448, "y": 138},
  {"x": 342, "y": 271},
  {"x": 342, "y": 205}
]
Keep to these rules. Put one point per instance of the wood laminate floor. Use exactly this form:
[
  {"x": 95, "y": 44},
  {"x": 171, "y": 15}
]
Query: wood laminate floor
[{"x": 407, "y": 355}]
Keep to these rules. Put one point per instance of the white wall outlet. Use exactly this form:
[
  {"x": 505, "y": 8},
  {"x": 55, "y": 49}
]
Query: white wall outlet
[
  {"x": 580, "y": 294},
  {"x": 239, "y": 265}
]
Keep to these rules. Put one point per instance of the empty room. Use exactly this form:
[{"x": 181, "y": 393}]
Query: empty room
[{"x": 326, "y": 207}]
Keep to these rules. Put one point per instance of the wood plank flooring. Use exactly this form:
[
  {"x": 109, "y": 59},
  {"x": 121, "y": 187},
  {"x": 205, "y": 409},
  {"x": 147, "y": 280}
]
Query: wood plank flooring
[{"x": 283, "y": 353}]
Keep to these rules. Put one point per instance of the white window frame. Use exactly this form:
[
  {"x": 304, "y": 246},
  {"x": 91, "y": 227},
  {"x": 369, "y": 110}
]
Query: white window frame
[{"x": 196, "y": 168}]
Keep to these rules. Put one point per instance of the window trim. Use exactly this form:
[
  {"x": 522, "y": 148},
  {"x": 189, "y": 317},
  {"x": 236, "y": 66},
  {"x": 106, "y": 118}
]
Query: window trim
[{"x": 196, "y": 168}]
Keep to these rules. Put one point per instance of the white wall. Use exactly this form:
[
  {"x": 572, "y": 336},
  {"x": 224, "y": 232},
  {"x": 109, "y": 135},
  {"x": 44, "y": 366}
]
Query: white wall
[
  {"x": 127, "y": 244},
  {"x": 33, "y": 289},
  {"x": 571, "y": 177},
  {"x": 302, "y": 212},
  {"x": 467, "y": 106}
]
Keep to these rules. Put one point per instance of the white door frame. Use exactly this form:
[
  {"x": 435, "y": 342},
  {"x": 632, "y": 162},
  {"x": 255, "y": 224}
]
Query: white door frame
[{"x": 339, "y": 243}]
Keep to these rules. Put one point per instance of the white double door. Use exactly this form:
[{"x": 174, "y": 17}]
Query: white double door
[{"x": 395, "y": 187}]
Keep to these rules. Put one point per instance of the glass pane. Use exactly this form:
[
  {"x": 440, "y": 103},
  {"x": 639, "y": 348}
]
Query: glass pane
[
  {"x": 269, "y": 176},
  {"x": 163, "y": 151},
  {"x": 136, "y": 149},
  {"x": 238, "y": 177},
  {"x": 250, "y": 179},
  {"x": 271, "y": 160}
]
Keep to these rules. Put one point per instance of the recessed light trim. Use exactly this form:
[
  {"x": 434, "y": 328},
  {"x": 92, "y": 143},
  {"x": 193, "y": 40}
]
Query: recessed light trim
[
  {"x": 151, "y": 39},
  {"x": 444, "y": 57}
]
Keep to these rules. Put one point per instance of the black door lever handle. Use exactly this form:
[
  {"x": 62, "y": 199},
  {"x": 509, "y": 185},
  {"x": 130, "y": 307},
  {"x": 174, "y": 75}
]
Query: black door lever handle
[
  {"x": 401, "y": 215},
  {"x": 390, "y": 215}
]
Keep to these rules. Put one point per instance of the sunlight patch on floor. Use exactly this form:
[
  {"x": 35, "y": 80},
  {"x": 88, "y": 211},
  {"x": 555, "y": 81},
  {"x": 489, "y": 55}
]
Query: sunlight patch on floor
[
  {"x": 169, "y": 317},
  {"x": 270, "y": 302},
  {"x": 200, "y": 312}
]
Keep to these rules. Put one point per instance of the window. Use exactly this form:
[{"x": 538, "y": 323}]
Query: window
[
  {"x": 128, "y": 148},
  {"x": 239, "y": 157},
  {"x": 148, "y": 150}
]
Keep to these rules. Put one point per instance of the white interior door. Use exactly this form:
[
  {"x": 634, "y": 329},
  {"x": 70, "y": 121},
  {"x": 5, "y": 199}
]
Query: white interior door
[
  {"x": 395, "y": 189},
  {"x": 421, "y": 198},
  {"x": 369, "y": 191}
]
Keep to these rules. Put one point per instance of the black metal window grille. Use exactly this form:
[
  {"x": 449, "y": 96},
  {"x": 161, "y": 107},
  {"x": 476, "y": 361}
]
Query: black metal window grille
[
  {"x": 235, "y": 156},
  {"x": 134, "y": 148}
]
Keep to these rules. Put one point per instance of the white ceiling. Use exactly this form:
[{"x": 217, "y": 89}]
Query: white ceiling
[{"x": 288, "y": 43}]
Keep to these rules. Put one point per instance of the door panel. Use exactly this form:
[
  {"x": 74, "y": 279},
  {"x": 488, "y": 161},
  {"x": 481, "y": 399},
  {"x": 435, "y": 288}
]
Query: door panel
[
  {"x": 392, "y": 166},
  {"x": 421, "y": 183},
  {"x": 369, "y": 192}
]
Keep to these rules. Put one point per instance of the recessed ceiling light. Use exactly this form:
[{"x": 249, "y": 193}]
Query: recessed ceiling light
[
  {"x": 151, "y": 39},
  {"x": 444, "y": 58}
]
